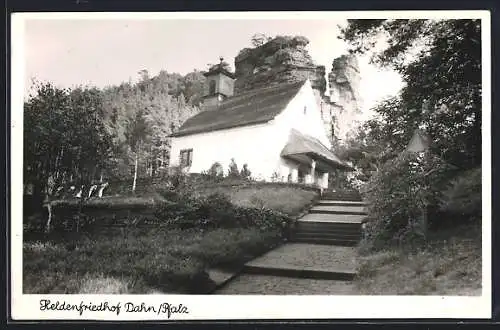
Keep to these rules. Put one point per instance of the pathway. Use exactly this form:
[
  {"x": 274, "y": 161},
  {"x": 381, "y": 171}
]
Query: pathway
[{"x": 320, "y": 259}]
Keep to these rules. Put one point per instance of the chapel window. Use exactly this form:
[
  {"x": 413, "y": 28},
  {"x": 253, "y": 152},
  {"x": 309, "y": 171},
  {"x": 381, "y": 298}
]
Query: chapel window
[{"x": 186, "y": 156}]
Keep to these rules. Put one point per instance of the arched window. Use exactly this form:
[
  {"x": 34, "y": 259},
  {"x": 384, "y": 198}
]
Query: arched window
[{"x": 211, "y": 87}]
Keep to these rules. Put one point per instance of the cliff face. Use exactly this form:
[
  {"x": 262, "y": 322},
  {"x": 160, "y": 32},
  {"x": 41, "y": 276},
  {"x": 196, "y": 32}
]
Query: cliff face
[
  {"x": 344, "y": 81},
  {"x": 286, "y": 59},
  {"x": 283, "y": 59}
]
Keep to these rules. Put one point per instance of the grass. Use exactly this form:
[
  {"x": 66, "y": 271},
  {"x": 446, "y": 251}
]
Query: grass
[
  {"x": 289, "y": 200},
  {"x": 140, "y": 261},
  {"x": 450, "y": 264},
  {"x": 133, "y": 260},
  {"x": 113, "y": 202}
]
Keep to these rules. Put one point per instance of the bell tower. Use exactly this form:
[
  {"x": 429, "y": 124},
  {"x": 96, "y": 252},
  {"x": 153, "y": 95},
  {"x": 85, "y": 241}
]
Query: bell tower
[{"x": 219, "y": 84}]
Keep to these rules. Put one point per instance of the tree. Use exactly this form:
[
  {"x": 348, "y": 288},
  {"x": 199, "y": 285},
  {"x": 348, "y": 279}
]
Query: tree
[
  {"x": 65, "y": 139},
  {"x": 440, "y": 61},
  {"x": 136, "y": 135},
  {"x": 158, "y": 104},
  {"x": 59, "y": 145},
  {"x": 233, "y": 169}
]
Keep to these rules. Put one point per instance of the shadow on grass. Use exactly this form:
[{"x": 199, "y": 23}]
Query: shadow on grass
[{"x": 142, "y": 261}]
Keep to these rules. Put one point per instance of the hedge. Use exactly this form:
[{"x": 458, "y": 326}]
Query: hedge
[{"x": 175, "y": 210}]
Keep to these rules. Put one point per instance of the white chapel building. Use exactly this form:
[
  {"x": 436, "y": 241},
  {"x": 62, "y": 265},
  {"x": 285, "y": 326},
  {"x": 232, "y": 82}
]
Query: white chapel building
[{"x": 277, "y": 131}]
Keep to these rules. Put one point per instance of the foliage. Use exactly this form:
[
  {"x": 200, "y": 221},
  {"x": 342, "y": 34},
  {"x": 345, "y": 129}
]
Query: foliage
[
  {"x": 58, "y": 145},
  {"x": 144, "y": 115},
  {"x": 275, "y": 177},
  {"x": 215, "y": 211},
  {"x": 463, "y": 196},
  {"x": 283, "y": 198},
  {"x": 367, "y": 147},
  {"x": 440, "y": 62},
  {"x": 177, "y": 178},
  {"x": 89, "y": 215},
  {"x": 398, "y": 196},
  {"x": 245, "y": 172},
  {"x": 126, "y": 129},
  {"x": 215, "y": 174},
  {"x": 216, "y": 170},
  {"x": 233, "y": 169}
]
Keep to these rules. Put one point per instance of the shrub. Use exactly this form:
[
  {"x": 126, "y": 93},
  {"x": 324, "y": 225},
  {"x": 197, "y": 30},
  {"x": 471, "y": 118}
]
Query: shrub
[
  {"x": 177, "y": 178},
  {"x": 216, "y": 211},
  {"x": 275, "y": 177},
  {"x": 216, "y": 171},
  {"x": 398, "y": 196},
  {"x": 245, "y": 172},
  {"x": 183, "y": 212},
  {"x": 463, "y": 195},
  {"x": 233, "y": 169}
]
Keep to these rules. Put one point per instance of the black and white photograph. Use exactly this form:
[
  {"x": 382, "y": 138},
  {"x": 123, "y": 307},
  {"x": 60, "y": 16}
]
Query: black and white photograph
[{"x": 250, "y": 156}]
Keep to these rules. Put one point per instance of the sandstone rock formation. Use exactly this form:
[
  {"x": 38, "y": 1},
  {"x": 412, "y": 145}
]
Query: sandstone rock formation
[
  {"x": 344, "y": 80},
  {"x": 282, "y": 59},
  {"x": 286, "y": 59}
]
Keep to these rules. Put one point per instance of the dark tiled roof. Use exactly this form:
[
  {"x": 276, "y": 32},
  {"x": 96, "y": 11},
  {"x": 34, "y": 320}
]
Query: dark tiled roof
[
  {"x": 219, "y": 69},
  {"x": 252, "y": 107},
  {"x": 299, "y": 143}
]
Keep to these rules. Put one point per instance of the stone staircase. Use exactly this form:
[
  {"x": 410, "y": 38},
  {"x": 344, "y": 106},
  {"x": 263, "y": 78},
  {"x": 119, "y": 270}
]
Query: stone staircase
[
  {"x": 319, "y": 258},
  {"x": 336, "y": 219}
]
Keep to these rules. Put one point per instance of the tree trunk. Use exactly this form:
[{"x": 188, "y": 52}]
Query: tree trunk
[
  {"x": 151, "y": 161},
  {"x": 49, "y": 219},
  {"x": 135, "y": 171},
  {"x": 424, "y": 222}
]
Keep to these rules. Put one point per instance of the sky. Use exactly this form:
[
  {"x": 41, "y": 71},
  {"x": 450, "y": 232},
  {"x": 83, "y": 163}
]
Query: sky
[{"x": 103, "y": 52}]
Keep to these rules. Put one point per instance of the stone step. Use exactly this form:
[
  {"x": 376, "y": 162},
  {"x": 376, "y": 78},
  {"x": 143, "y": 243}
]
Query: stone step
[
  {"x": 327, "y": 235},
  {"x": 334, "y": 209},
  {"x": 300, "y": 273},
  {"x": 342, "y": 230},
  {"x": 326, "y": 241},
  {"x": 306, "y": 261},
  {"x": 333, "y": 218},
  {"x": 327, "y": 226},
  {"x": 339, "y": 203},
  {"x": 342, "y": 195},
  {"x": 279, "y": 285}
]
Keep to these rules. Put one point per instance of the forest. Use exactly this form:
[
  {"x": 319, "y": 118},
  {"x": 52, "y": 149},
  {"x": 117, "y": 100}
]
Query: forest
[{"x": 78, "y": 136}]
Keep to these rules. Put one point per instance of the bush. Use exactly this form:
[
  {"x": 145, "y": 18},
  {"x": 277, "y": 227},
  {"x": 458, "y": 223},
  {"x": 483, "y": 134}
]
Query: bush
[
  {"x": 176, "y": 177},
  {"x": 463, "y": 195},
  {"x": 216, "y": 211},
  {"x": 215, "y": 172},
  {"x": 399, "y": 195},
  {"x": 245, "y": 172},
  {"x": 233, "y": 171},
  {"x": 87, "y": 215}
]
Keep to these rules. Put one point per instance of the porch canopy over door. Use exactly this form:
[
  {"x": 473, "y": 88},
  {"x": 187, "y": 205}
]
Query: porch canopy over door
[{"x": 303, "y": 149}]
